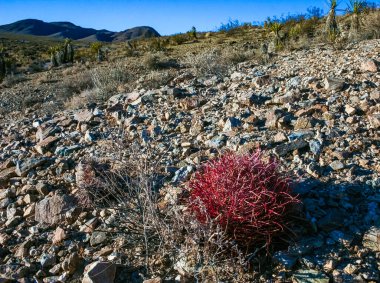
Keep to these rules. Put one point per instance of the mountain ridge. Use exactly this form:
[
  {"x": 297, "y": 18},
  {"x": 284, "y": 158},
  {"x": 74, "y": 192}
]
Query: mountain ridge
[{"x": 65, "y": 29}]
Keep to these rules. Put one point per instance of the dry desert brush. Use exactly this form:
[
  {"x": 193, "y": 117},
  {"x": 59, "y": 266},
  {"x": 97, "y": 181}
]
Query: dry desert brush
[{"x": 247, "y": 195}]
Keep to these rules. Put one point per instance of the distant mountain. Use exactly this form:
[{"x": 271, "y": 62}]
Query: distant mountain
[{"x": 70, "y": 30}]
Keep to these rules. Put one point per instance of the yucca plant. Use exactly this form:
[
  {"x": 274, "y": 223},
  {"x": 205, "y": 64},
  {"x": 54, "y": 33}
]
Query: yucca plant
[
  {"x": 356, "y": 8},
  {"x": 331, "y": 27}
]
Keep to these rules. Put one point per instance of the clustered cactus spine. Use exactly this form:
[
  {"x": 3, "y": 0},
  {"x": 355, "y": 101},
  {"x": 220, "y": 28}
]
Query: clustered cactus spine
[{"x": 246, "y": 195}]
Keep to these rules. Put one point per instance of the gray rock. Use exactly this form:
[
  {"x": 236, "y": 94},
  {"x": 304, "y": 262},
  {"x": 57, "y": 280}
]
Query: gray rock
[
  {"x": 48, "y": 260},
  {"x": 52, "y": 210},
  {"x": 371, "y": 239},
  {"x": 334, "y": 84},
  {"x": 98, "y": 238},
  {"x": 23, "y": 167},
  {"x": 336, "y": 165},
  {"x": 231, "y": 124},
  {"x": 284, "y": 149},
  {"x": 99, "y": 272},
  {"x": 285, "y": 259},
  {"x": 310, "y": 276}
]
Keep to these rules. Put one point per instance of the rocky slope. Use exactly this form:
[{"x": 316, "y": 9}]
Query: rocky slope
[
  {"x": 317, "y": 110},
  {"x": 69, "y": 30}
]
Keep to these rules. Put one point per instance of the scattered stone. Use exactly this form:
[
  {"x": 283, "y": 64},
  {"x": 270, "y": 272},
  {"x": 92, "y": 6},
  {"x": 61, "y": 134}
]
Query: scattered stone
[
  {"x": 334, "y": 84},
  {"x": 370, "y": 66},
  {"x": 46, "y": 144},
  {"x": 336, "y": 165},
  {"x": 284, "y": 149},
  {"x": 51, "y": 210},
  {"x": 99, "y": 272},
  {"x": 371, "y": 239},
  {"x": 310, "y": 276},
  {"x": 23, "y": 167}
]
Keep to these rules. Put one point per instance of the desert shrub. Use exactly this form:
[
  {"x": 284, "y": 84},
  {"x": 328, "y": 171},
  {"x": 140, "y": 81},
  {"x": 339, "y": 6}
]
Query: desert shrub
[
  {"x": 206, "y": 63},
  {"x": 156, "y": 79},
  {"x": 157, "y": 44},
  {"x": 75, "y": 81},
  {"x": 152, "y": 61},
  {"x": 107, "y": 79},
  {"x": 79, "y": 101},
  {"x": 246, "y": 195},
  {"x": 179, "y": 39},
  {"x": 11, "y": 80}
]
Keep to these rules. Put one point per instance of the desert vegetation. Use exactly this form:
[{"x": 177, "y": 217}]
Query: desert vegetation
[{"x": 245, "y": 154}]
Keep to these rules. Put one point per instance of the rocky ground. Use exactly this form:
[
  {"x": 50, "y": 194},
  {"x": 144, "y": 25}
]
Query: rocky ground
[{"x": 317, "y": 110}]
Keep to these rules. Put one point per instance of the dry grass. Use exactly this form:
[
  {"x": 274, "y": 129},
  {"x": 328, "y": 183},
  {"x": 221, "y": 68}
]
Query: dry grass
[{"x": 168, "y": 238}]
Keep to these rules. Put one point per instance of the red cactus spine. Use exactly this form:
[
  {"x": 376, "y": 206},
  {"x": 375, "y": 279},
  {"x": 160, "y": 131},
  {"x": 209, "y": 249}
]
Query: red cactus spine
[{"x": 245, "y": 194}]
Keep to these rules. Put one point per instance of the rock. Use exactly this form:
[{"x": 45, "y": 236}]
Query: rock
[
  {"x": 303, "y": 123},
  {"x": 336, "y": 165},
  {"x": 334, "y": 84},
  {"x": 48, "y": 260},
  {"x": 371, "y": 239},
  {"x": 350, "y": 269},
  {"x": 84, "y": 116},
  {"x": 51, "y": 210},
  {"x": 285, "y": 259},
  {"x": 231, "y": 124},
  {"x": 59, "y": 235},
  {"x": 315, "y": 147},
  {"x": 72, "y": 263},
  {"x": 350, "y": 110},
  {"x": 310, "y": 276},
  {"x": 284, "y": 149},
  {"x": 370, "y": 66},
  {"x": 13, "y": 222},
  {"x": 374, "y": 121},
  {"x": 23, "y": 167},
  {"x": 46, "y": 144},
  {"x": 153, "y": 280},
  {"x": 333, "y": 220},
  {"x": 99, "y": 272},
  {"x": 44, "y": 133},
  {"x": 6, "y": 174},
  {"x": 98, "y": 238},
  {"x": 293, "y": 83}
]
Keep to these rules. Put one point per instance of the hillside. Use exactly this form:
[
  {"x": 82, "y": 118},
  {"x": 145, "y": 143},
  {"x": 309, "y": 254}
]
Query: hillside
[
  {"x": 61, "y": 30},
  {"x": 316, "y": 110},
  {"x": 246, "y": 155}
]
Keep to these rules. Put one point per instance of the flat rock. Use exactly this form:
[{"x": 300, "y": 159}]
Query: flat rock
[
  {"x": 84, "y": 116},
  {"x": 23, "y": 167},
  {"x": 51, "y": 210},
  {"x": 374, "y": 121},
  {"x": 284, "y": 149},
  {"x": 99, "y": 272},
  {"x": 334, "y": 84},
  {"x": 370, "y": 66},
  {"x": 45, "y": 144},
  {"x": 310, "y": 276},
  {"x": 371, "y": 239}
]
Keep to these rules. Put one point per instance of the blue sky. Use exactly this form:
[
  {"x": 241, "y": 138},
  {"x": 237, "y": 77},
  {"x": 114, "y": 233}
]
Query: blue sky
[{"x": 166, "y": 16}]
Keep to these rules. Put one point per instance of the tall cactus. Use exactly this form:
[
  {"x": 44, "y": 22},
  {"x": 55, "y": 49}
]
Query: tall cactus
[
  {"x": 331, "y": 26},
  {"x": 62, "y": 54},
  {"x": 68, "y": 51}
]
